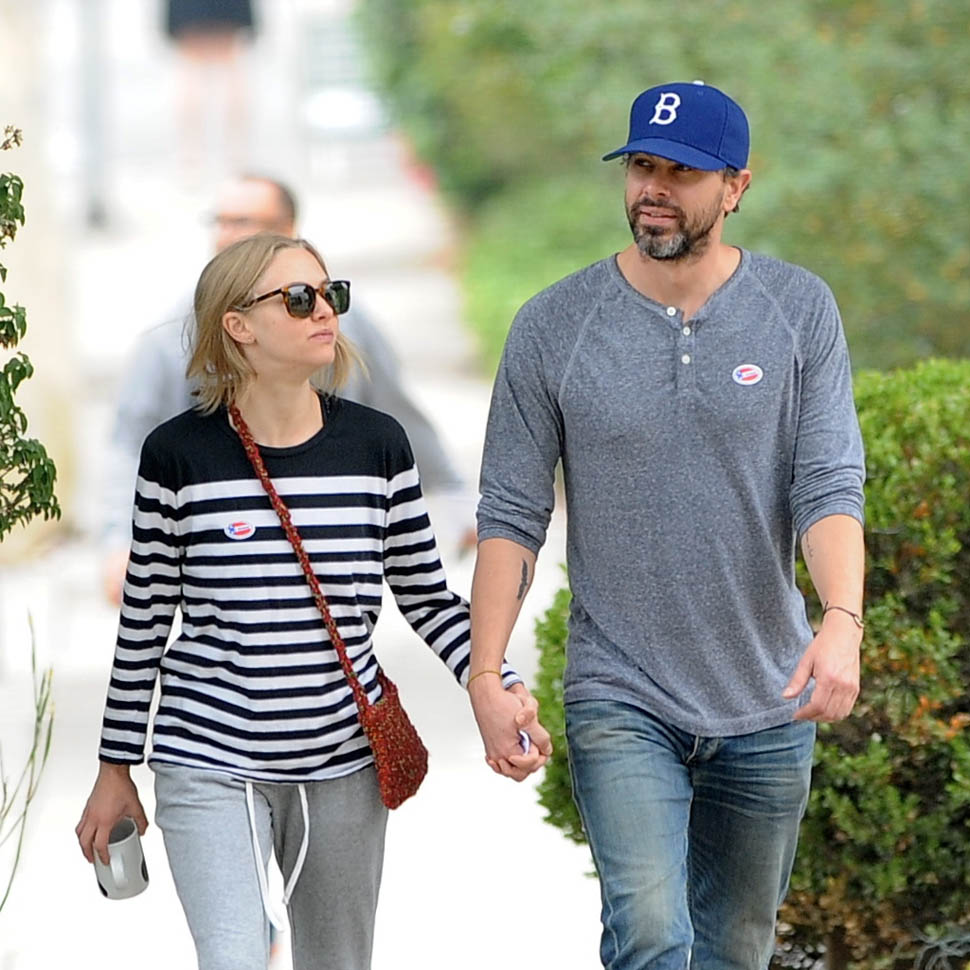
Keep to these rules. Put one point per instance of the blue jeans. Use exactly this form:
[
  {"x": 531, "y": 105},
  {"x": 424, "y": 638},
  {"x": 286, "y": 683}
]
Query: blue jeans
[{"x": 693, "y": 838}]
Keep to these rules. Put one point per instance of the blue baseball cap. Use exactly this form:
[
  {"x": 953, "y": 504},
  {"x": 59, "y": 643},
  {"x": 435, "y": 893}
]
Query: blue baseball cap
[{"x": 693, "y": 124}]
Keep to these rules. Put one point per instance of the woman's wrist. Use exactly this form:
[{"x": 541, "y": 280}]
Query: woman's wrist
[
  {"x": 115, "y": 768},
  {"x": 486, "y": 673}
]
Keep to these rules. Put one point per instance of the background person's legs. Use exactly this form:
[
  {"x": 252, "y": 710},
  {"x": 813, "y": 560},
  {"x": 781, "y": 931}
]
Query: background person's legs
[
  {"x": 633, "y": 793},
  {"x": 749, "y": 798},
  {"x": 205, "y": 825},
  {"x": 213, "y": 102}
]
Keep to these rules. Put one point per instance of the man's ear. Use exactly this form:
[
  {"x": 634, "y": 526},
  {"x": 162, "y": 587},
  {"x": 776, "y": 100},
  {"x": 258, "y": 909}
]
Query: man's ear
[
  {"x": 236, "y": 325},
  {"x": 737, "y": 186}
]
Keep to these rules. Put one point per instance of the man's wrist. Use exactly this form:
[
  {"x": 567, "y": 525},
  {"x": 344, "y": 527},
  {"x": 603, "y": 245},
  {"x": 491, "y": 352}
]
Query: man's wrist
[{"x": 843, "y": 613}]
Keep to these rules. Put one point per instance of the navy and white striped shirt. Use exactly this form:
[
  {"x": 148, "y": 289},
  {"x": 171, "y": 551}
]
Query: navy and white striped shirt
[{"x": 252, "y": 685}]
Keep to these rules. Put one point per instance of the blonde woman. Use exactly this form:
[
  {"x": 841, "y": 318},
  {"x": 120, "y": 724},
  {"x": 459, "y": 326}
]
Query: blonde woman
[{"x": 256, "y": 743}]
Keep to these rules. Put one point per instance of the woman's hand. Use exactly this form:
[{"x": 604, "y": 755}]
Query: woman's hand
[
  {"x": 501, "y": 714},
  {"x": 113, "y": 797}
]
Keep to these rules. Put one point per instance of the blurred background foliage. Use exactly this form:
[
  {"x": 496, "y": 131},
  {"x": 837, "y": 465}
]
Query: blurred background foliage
[{"x": 860, "y": 132}]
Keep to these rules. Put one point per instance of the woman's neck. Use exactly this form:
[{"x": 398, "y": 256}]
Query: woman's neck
[{"x": 281, "y": 415}]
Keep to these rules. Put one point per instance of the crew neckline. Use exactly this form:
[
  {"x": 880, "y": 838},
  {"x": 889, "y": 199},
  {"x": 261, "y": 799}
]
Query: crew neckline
[{"x": 328, "y": 411}]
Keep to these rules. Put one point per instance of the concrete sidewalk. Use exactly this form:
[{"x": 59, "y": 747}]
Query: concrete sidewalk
[{"x": 473, "y": 876}]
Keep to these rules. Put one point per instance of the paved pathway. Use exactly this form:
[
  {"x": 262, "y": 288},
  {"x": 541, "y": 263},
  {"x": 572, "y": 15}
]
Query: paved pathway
[{"x": 473, "y": 877}]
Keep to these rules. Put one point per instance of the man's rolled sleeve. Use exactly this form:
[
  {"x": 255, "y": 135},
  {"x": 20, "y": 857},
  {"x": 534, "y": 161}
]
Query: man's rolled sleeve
[
  {"x": 829, "y": 469},
  {"x": 523, "y": 443}
]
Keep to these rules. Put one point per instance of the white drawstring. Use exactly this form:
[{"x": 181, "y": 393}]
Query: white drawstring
[
  {"x": 304, "y": 845},
  {"x": 278, "y": 921}
]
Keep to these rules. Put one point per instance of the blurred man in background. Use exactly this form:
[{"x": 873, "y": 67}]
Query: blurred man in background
[{"x": 155, "y": 388}]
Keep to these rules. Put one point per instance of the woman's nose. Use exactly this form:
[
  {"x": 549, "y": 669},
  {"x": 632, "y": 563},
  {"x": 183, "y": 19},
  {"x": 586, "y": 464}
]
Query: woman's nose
[{"x": 322, "y": 310}]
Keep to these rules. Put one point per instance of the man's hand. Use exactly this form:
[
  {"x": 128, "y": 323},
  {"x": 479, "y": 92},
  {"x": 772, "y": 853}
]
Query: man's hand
[
  {"x": 113, "y": 797},
  {"x": 832, "y": 658},
  {"x": 501, "y": 714}
]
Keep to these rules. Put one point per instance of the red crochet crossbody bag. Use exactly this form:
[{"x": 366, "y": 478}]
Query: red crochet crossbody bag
[{"x": 400, "y": 757}]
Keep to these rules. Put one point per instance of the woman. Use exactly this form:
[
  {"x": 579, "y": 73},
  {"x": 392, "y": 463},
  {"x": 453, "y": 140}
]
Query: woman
[{"x": 256, "y": 738}]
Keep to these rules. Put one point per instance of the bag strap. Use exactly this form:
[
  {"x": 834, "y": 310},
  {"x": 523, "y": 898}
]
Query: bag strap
[{"x": 256, "y": 460}]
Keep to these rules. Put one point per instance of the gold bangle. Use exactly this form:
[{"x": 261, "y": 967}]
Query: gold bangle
[{"x": 497, "y": 673}]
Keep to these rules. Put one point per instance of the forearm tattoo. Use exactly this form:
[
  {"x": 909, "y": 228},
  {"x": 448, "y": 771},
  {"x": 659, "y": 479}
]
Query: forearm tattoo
[{"x": 524, "y": 581}]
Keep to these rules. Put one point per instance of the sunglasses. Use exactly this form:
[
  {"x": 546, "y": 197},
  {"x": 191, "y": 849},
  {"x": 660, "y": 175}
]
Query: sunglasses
[{"x": 300, "y": 298}]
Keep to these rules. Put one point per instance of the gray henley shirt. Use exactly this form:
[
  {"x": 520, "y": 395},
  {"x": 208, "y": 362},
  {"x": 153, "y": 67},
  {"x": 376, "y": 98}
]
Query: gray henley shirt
[{"x": 694, "y": 454}]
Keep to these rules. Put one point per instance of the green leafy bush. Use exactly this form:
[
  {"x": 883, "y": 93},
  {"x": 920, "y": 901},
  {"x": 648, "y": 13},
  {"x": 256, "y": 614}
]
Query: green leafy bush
[
  {"x": 555, "y": 789},
  {"x": 27, "y": 477},
  {"x": 883, "y": 871},
  {"x": 27, "y": 474}
]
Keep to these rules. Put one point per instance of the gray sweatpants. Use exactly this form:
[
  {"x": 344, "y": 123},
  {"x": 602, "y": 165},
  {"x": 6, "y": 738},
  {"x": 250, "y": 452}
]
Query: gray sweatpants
[{"x": 208, "y": 839}]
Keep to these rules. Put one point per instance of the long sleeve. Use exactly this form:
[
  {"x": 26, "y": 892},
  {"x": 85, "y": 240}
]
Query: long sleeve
[
  {"x": 523, "y": 442},
  {"x": 414, "y": 573},
  {"x": 151, "y": 594},
  {"x": 829, "y": 471}
]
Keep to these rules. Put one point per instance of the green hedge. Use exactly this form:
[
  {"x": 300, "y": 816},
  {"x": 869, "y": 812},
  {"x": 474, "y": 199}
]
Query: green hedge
[{"x": 883, "y": 870}]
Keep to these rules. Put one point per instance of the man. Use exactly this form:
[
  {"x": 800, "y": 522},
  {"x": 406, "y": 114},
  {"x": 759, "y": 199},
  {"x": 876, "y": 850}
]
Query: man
[
  {"x": 155, "y": 387},
  {"x": 699, "y": 397}
]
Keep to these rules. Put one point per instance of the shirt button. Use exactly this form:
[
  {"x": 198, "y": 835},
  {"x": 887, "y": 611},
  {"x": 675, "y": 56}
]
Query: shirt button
[
  {"x": 686, "y": 331},
  {"x": 685, "y": 359},
  {"x": 671, "y": 311}
]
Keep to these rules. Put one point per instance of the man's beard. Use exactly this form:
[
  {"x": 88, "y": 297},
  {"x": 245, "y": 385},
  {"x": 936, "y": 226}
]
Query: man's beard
[{"x": 689, "y": 240}]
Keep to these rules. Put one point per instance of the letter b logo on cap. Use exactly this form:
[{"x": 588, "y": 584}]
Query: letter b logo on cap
[
  {"x": 665, "y": 110},
  {"x": 693, "y": 124}
]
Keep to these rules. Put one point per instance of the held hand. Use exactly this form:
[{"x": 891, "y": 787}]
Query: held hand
[
  {"x": 832, "y": 658},
  {"x": 501, "y": 714},
  {"x": 113, "y": 797},
  {"x": 527, "y": 720}
]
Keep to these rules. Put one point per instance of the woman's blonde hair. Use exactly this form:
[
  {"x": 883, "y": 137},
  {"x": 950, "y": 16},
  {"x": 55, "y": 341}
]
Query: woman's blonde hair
[{"x": 218, "y": 365}]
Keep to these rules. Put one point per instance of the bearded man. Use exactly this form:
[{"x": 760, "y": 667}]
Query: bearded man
[{"x": 699, "y": 398}]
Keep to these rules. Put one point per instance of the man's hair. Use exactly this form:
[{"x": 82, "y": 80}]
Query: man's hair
[
  {"x": 218, "y": 365},
  {"x": 287, "y": 199}
]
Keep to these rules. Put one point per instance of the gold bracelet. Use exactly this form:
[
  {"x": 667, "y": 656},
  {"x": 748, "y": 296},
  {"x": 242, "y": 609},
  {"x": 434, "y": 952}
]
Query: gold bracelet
[
  {"x": 497, "y": 673},
  {"x": 855, "y": 616}
]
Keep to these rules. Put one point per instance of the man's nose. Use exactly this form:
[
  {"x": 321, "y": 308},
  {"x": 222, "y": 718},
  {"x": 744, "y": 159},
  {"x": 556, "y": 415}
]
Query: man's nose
[{"x": 656, "y": 185}]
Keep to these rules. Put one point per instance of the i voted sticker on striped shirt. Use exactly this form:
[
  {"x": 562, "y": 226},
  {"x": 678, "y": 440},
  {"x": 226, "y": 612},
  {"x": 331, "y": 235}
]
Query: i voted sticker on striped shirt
[
  {"x": 747, "y": 374},
  {"x": 240, "y": 530}
]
